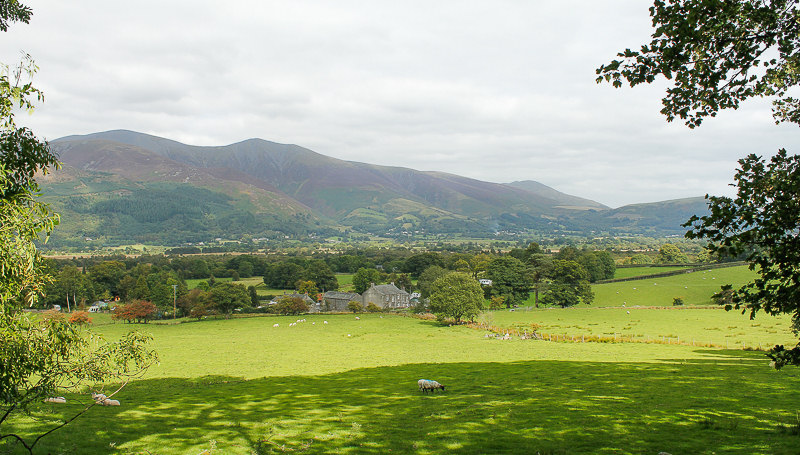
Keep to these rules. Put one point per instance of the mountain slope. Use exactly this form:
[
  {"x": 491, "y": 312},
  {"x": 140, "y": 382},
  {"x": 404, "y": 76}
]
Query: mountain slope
[{"x": 287, "y": 188}]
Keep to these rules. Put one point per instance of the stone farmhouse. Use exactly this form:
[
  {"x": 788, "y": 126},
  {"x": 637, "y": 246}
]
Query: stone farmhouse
[
  {"x": 387, "y": 296},
  {"x": 337, "y": 301}
]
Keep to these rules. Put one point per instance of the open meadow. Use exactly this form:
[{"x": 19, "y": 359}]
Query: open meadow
[{"x": 243, "y": 386}]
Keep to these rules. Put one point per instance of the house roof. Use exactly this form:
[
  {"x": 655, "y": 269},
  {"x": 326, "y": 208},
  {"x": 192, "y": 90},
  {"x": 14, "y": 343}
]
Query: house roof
[
  {"x": 388, "y": 289},
  {"x": 341, "y": 295}
]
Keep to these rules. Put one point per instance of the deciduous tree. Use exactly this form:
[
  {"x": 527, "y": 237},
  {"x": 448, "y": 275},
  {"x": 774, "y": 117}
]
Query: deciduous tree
[
  {"x": 456, "y": 295},
  {"x": 39, "y": 357},
  {"x": 718, "y": 53}
]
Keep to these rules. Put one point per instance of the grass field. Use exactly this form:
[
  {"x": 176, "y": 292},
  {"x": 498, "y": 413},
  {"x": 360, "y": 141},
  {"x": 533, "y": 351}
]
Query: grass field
[
  {"x": 695, "y": 288},
  {"x": 243, "y": 386},
  {"x": 629, "y": 272}
]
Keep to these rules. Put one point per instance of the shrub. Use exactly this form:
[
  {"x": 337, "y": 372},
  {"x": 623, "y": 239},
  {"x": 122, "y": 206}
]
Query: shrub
[
  {"x": 80, "y": 318},
  {"x": 354, "y": 306},
  {"x": 677, "y": 301},
  {"x": 53, "y": 316},
  {"x": 496, "y": 302},
  {"x": 291, "y": 305},
  {"x": 372, "y": 308}
]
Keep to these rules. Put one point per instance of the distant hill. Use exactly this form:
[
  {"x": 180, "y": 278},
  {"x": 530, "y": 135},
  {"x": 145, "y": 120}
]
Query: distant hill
[
  {"x": 560, "y": 199},
  {"x": 279, "y": 188}
]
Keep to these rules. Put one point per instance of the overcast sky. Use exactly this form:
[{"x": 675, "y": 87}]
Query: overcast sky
[{"x": 497, "y": 91}]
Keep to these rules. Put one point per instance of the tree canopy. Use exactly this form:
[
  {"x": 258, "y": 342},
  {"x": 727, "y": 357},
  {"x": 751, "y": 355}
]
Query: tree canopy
[
  {"x": 763, "y": 221},
  {"x": 717, "y": 53},
  {"x": 457, "y": 295}
]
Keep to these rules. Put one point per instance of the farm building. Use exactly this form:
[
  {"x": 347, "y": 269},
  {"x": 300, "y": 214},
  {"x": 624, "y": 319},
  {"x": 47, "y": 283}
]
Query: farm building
[
  {"x": 386, "y": 296},
  {"x": 337, "y": 301}
]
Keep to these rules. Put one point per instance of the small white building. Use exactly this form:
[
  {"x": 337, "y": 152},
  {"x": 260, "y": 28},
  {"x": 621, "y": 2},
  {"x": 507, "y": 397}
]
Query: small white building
[{"x": 485, "y": 282}]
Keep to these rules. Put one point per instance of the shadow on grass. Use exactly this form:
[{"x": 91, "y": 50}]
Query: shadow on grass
[{"x": 733, "y": 405}]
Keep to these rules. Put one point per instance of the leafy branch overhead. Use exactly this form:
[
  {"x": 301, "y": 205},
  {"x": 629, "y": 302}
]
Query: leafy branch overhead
[{"x": 717, "y": 53}]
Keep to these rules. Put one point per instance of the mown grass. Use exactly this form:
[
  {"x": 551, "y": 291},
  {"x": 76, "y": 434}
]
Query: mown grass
[{"x": 243, "y": 386}]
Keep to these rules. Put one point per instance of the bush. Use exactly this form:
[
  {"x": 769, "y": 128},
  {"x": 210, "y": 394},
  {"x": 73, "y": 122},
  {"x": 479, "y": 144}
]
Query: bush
[
  {"x": 372, "y": 308},
  {"x": 53, "y": 316},
  {"x": 354, "y": 306},
  {"x": 291, "y": 305},
  {"x": 80, "y": 318},
  {"x": 677, "y": 301},
  {"x": 420, "y": 307}
]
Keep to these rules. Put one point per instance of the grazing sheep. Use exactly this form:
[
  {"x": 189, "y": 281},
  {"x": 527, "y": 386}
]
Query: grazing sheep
[
  {"x": 324, "y": 322},
  {"x": 109, "y": 402},
  {"x": 55, "y": 400},
  {"x": 358, "y": 317},
  {"x": 426, "y": 385},
  {"x": 275, "y": 325},
  {"x": 98, "y": 397}
]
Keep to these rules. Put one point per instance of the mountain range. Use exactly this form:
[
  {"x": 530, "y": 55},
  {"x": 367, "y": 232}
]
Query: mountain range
[{"x": 122, "y": 186}]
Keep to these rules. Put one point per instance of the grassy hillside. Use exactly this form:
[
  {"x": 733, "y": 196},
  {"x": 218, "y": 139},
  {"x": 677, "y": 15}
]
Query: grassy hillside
[{"x": 695, "y": 288}]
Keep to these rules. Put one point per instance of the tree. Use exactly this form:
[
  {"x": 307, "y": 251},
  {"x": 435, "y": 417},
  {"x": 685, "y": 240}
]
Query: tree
[
  {"x": 291, "y": 305},
  {"x": 226, "y": 297},
  {"x": 717, "y": 53},
  {"x": 540, "y": 267},
  {"x": 196, "y": 303},
  {"x": 364, "y": 278},
  {"x": 39, "y": 357},
  {"x": 510, "y": 279},
  {"x": 319, "y": 272},
  {"x": 762, "y": 220},
  {"x": 720, "y": 53},
  {"x": 137, "y": 311},
  {"x": 355, "y": 306},
  {"x": 570, "y": 285},
  {"x": 306, "y": 287},
  {"x": 428, "y": 277},
  {"x": 417, "y": 263},
  {"x": 458, "y": 296},
  {"x": 254, "y": 301},
  {"x": 671, "y": 254}
]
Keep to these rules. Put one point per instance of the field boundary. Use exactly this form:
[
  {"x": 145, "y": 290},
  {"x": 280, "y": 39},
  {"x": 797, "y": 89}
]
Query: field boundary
[{"x": 672, "y": 273}]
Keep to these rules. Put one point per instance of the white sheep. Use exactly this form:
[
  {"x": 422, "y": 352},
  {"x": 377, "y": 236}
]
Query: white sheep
[
  {"x": 98, "y": 397},
  {"x": 61, "y": 400},
  {"x": 358, "y": 318},
  {"x": 110, "y": 402},
  {"x": 275, "y": 325},
  {"x": 427, "y": 385},
  {"x": 324, "y": 322}
]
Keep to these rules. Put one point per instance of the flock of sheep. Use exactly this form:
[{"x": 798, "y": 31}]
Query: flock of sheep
[
  {"x": 292, "y": 324},
  {"x": 99, "y": 398}
]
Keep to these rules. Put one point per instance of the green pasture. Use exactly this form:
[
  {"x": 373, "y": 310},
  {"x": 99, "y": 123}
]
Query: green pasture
[
  {"x": 629, "y": 272},
  {"x": 242, "y": 386},
  {"x": 695, "y": 288},
  {"x": 669, "y": 325}
]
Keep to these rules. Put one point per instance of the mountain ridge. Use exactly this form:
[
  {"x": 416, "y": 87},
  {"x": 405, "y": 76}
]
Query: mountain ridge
[{"x": 296, "y": 184}]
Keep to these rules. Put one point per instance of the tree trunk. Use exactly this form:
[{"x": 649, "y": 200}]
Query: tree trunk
[
  {"x": 536, "y": 297},
  {"x": 68, "y": 310}
]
